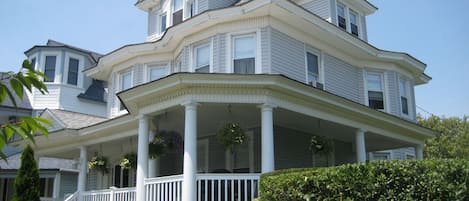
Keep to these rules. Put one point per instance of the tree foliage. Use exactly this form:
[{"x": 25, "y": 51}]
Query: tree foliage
[
  {"x": 27, "y": 180},
  {"x": 452, "y": 140},
  {"x": 25, "y": 127}
]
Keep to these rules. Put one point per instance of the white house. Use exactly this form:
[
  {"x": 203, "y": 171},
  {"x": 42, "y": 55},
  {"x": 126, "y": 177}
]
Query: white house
[{"x": 284, "y": 70}]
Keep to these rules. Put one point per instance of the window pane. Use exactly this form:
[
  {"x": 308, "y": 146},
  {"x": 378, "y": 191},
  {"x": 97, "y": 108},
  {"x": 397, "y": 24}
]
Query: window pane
[
  {"x": 244, "y": 47},
  {"x": 375, "y": 100},
  {"x": 177, "y": 17},
  {"x": 244, "y": 66},
  {"x": 177, "y": 5},
  {"x": 157, "y": 72},
  {"x": 402, "y": 88},
  {"x": 312, "y": 61},
  {"x": 49, "y": 68},
  {"x": 353, "y": 18},
  {"x": 203, "y": 56},
  {"x": 374, "y": 82},
  {"x": 72, "y": 71},
  {"x": 340, "y": 10},
  {"x": 126, "y": 81},
  {"x": 404, "y": 105},
  {"x": 163, "y": 23}
]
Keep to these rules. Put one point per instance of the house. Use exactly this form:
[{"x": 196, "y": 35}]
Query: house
[{"x": 283, "y": 70}]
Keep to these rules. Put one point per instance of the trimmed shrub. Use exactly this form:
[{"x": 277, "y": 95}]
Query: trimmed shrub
[
  {"x": 378, "y": 180},
  {"x": 27, "y": 180}
]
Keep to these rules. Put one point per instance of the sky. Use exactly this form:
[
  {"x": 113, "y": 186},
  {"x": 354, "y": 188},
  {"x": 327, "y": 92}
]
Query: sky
[{"x": 433, "y": 31}]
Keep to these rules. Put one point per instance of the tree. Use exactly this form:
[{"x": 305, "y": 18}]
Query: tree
[
  {"x": 27, "y": 180},
  {"x": 452, "y": 140},
  {"x": 26, "y": 127}
]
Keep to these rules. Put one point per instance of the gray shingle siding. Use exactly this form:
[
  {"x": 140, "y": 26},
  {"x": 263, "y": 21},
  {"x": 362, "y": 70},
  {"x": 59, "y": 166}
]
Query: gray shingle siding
[
  {"x": 265, "y": 49},
  {"x": 202, "y": 6},
  {"x": 319, "y": 7},
  {"x": 287, "y": 56},
  {"x": 342, "y": 78},
  {"x": 393, "y": 92},
  {"x": 215, "y": 4}
]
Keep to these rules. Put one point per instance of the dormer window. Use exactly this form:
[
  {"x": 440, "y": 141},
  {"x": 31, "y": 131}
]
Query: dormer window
[
  {"x": 72, "y": 77},
  {"x": 49, "y": 68},
  {"x": 341, "y": 16},
  {"x": 375, "y": 91},
  {"x": 244, "y": 57},
  {"x": 353, "y": 22},
  {"x": 177, "y": 12},
  {"x": 202, "y": 59}
]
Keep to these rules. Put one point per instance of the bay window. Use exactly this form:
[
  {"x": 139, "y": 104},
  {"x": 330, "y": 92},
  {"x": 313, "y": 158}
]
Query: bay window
[
  {"x": 202, "y": 59},
  {"x": 375, "y": 91},
  {"x": 244, "y": 54}
]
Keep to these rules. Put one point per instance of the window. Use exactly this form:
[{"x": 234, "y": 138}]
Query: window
[
  {"x": 123, "y": 177},
  {"x": 72, "y": 71},
  {"x": 202, "y": 59},
  {"x": 125, "y": 83},
  {"x": 244, "y": 54},
  {"x": 312, "y": 62},
  {"x": 375, "y": 91},
  {"x": 46, "y": 187},
  {"x": 33, "y": 63},
  {"x": 353, "y": 23},
  {"x": 341, "y": 16},
  {"x": 163, "y": 22},
  {"x": 157, "y": 71},
  {"x": 381, "y": 156},
  {"x": 49, "y": 68},
  {"x": 403, "y": 93},
  {"x": 177, "y": 12}
]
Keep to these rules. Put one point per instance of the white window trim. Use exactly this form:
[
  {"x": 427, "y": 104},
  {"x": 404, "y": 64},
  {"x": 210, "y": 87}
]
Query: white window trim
[
  {"x": 407, "y": 95},
  {"x": 320, "y": 55},
  {"x": 160, "y": 20},
  {"x": 230, "y": 51},
  {"x": 347, "y": 9},
  {"x": 81, "y": 61},
  {"x": 58, "y": 59},
  {"x": 383, "y": 84},
  {"x": 119, "y": 87},
  {"x": 194, "y": 56},
  {"x": 149, "y": 66}
]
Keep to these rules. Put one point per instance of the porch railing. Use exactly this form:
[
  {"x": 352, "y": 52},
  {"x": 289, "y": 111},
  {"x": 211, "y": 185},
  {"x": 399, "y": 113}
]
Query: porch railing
[
  {"x": 167, "y": 188},
  {"x": 227, "y": 187},
  {"x": 72, "y": 197},
  {"x": 119, "y": 194}
]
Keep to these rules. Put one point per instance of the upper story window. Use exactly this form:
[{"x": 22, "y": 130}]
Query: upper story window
[
  {"x": 353, "y": 22},
  {"x": 49, "y": 68},
  {"x": 312, "y": 61},
  {"x": 72, "y": 77},
  {"x": 125, "y": 83},
  {"x": 244, "y": 54},
  {"x": 177, "y": 11},
  {"x": 404, "y": 96},
  {"x": 163, "y": 23},
  {"x": 341, "y": 16},
  {"x": 157, "y": 71},
  {"x": 202, "y": 59},
  {"x": 375, "y": 90},
  {"x": 33, "y": 63}
]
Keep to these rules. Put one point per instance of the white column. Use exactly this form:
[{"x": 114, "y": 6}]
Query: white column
[
  {"x": 190, "y": 153},
  {"x": 142, "y": 156},
  {"x": 267, "y": 138},
  {"x": 360, "y": 145},
  {"x": 83, "y": 163},
  {"x": 419, "y": 151}
]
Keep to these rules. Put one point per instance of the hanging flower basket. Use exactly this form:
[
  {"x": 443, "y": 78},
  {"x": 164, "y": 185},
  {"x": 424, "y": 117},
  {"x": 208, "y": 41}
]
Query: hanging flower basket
[
  {"x": 320, "y": 145},
  {"x": 165, "y": 142},
  {"x": 230, "y": 135},
  {"x": 98, "y": 163},
  {"x": 129, "y": 161}
]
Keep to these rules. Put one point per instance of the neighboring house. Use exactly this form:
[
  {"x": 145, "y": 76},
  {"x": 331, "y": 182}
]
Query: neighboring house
[{"x": 284, "y": 70}]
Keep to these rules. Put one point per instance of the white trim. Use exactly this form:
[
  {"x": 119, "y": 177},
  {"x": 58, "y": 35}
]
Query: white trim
[
  {"x": 193, "y": 64},
  {"x": 81, "y": 63},
  {"x": 319, "y": 55},
  {"x": 160, "y": 64},
  {"x": 230, "y": 51}
]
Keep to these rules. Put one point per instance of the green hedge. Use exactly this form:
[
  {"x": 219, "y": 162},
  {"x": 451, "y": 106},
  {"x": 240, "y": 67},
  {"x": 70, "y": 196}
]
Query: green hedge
[{"x": 381, "y": 180}]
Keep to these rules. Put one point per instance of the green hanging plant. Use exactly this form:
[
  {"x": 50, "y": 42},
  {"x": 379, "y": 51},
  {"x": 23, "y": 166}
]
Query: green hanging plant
[
  {"x": 98, "y": 163},
  {"x": 320, "y": 145},
  {"x": 164, "y": 142},
  {"x": 129, "y": 161},
  {"x": 230, "y": 135}
]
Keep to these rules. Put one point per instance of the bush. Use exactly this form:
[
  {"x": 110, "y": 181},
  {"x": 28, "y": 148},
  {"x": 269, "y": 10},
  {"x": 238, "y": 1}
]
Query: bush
[
  {"x": 380, "y": 180},
  {"x": 27, "y": 180}
]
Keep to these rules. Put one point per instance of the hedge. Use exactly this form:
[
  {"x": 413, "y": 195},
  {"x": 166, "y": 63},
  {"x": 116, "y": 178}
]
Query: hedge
[{"x": 379, "y": 180}]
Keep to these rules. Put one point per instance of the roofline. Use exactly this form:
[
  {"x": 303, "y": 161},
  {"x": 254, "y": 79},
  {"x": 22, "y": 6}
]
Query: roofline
[{"x": 87, "y": 52}]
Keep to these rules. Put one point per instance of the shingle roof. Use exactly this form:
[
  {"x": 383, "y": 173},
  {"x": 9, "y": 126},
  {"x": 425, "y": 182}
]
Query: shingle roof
[
  {"x": 74, "y": 120},
  {"x": 14, "y": 162}
]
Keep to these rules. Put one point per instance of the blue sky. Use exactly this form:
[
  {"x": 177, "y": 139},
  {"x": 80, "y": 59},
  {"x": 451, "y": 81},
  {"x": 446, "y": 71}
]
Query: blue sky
[{"x": 434, "y": 31}]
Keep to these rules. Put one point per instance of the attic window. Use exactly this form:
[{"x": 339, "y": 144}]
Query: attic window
[
  {"x": 353, "y": 23},
  {"x": 49, "y": 68},
  {"x": 177, "y": 12},
  {"x": 341, "y": 16}
]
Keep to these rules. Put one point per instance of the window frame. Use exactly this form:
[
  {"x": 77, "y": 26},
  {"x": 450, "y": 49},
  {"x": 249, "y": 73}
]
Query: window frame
[
  {"x": 256, "y": 57},
  {"x": 344, "y": 7},
  {"x": 55, "y": 67},
  {"x": 174, "y": 11},
  {"x": 150, "y": 66},
  {"x": 120, "y": 109},
  {"x": 406, "y": 86},
  {"x": 347, "y": 11},
  {"x": 66, "y": 68},
  {"x": 383, "y": 89},
  {"x": 357, "y": 18},
  {"x": 320, "y": 69},
  {"x": 160, "y": 20},
  {"x": 195, "y": 56}
]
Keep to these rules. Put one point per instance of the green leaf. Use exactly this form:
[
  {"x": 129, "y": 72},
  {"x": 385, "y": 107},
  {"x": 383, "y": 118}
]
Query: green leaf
[
  {"x": 27, "y": 65},
  {"x": 17, "y": 87},
  {"x": 24, "y": 82},
  {"x": 3, "y": 92}
]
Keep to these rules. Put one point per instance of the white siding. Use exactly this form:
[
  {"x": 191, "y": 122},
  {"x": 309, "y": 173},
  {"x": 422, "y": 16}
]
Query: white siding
[
  {"x": 342, "y": 78},
  {"x": 319, "y": 7},
  {"x": 68, "y": 183},
  {"x": 69, "y": 101},
  {"x": 393, "y": 93},
  {"x": 364, "y": 30},
  {"x": 49, "y": 100},
  {"x": 266, "y": 49},
  {"x": 287, "y": 56},
  {"x": 202, "y": 5}
]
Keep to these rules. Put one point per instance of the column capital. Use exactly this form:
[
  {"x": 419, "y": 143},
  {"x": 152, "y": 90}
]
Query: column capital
[
  {"x": 267, "y": 106},
  {"x": 190, "y": 104},
  {"x": 142, "y": 116},
  {"x": 361, "y": 130}
]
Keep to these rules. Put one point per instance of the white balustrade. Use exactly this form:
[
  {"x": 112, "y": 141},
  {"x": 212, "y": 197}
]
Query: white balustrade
[
  {"x": 71, "y": 197},
  {"x": 118, "y": 194},
  {"x": 167, "y": 188},
  {"x": 227, "y": 187}
]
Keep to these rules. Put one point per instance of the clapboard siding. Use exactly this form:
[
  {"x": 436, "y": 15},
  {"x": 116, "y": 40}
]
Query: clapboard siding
[
  {"x": 265, "y": 49},
  {"x": 202, "y": 5},
  {"x": 48, "y": 100},
  {"x": 68, "y": 184},
  {"x": 364, "y": 30},
  {"x": 215, "y": 4},
  {"x": 393, "y": 93},
  {"x": 342, "y": 78},
  {"x": 319, "y": 7},
  {"x": 333, "y": 9},
  {"x": 287, "y": 56}
]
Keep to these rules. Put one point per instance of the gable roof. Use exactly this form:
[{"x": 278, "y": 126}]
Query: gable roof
[{"x": 62, "y": 119}]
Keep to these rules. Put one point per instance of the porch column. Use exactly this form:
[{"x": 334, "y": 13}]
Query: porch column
[
  {"x": 83, "y": 163},
  {"x": 360, "y": 145},
  {"x": 419, "y": 151},
  {"x": 190, "y": 152},
  {"x": 142, "y": 156},
  {"x": 267, "y": 138}
]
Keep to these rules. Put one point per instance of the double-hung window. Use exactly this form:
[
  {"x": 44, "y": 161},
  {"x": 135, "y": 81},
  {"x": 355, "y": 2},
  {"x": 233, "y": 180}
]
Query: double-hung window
[
  {"x": 353, "y": 22},
  {"x": 72, "y": 77},
  {"x": 49, "y": 68},
  {"x": 157, "y": 71},
  {"x": 341, "y": 16},
  {"x": 125, "y": 83},
  {"x": 177, "y": 11},
  {"x": 244, "y": 54},
  {"x": 403, "y": 94},
  {"x": 163, "y": 23},
  {"x": 202, "y": 59},
  {"x": 312, "y": 62},
  {"x": 375, "y": 91}
]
